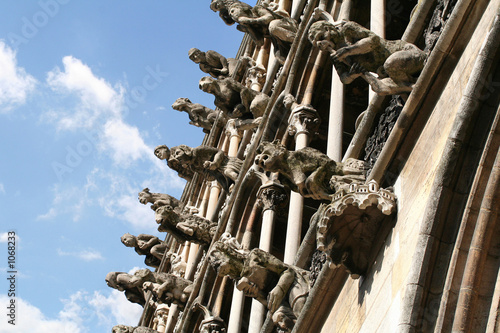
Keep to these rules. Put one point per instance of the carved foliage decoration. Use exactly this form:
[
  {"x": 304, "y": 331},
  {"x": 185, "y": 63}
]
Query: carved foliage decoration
[{"x": 349, "y": 226}]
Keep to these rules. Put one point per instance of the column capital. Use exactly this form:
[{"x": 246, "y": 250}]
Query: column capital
[
  {"x": 232, "y": 129},
  {"x": 303, "y": 119},
  {"x": 272, "y": 196},
  {"x": 256, "y": 77}
]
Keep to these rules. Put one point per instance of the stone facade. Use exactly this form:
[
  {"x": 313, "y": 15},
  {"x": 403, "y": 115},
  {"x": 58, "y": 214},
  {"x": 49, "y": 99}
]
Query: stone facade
[{"x": 322, "y": 206}]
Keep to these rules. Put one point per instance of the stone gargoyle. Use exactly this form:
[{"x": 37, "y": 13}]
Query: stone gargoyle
[
  {"x": 160, "y": 199},
  {"x": 150, "y": 246},
  {"x": 234, "y": 99},
  {"x": 163, "y": 153},
  {"x": 359, "y": 52},
  {"x": 199, "y": 115},
  {"x": 169, "y": 288},
  {"x": 131, "y": 284},
  {"x": 185, "y": 226},
  {"x": 209, "y": 161},
  {"x": 307, "y": 170},
  {"x": 213, "y": 63},
  {"x": 259, "y": 21},
  {"x": 131, "y": 329},
  {"x": 261, "y": 275}
]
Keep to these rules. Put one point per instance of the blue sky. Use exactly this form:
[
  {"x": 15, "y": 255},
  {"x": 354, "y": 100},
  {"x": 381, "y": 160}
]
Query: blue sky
[{"x": 86, "y": 89}]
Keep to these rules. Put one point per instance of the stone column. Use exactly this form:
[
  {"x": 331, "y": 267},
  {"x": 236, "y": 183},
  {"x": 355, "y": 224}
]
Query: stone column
[
  {"x": 234, "y": 135},
  {"x": 285, "y": 6},
  {"x": 161, "y": 317},
  {"x": 377, "y": 24},
  {"x": 271, "y": 197},
  {"x": 303, "y": 123}
]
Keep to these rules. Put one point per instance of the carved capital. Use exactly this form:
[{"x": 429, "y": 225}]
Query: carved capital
[
  {"x": 232, "y": 129},
  {"x": 349, "y": 226},
  {"x": 304, "y": 119},
  {"x": 272, "y": 196},
  {"x": 256, "y": 77}
]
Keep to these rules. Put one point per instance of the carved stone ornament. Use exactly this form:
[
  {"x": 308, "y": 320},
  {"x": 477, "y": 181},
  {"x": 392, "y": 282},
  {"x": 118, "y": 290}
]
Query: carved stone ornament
[
  {"x": 163, "y": 153},
  {"x": 349, "y": 225},
  {"x": 210, "y": 323},
  {"x": 185, "y": 226},
  {"x": 307, "y": 170},
  {"x": 161, "y": 316},
  {"x": 260, "y": 275},
  {"x": 272, "y": 196},
  {"x": 199, "y": 115},
  {"x": 211, "y": 162},
  {"x": 259, "y": 21},
  {"x": 256, "y": 77},
  {"x": 359, "y": 52},
  {"x": 150, "y": 246},
  {"x": 130, "y": 329},
  {"x": 303, "y": 119},
  {"x": 213, "y": 63},
  {"x": 234, "y": 99},
  {"x": 131, "y": 284},
  {"x": 169, "y": 288}
]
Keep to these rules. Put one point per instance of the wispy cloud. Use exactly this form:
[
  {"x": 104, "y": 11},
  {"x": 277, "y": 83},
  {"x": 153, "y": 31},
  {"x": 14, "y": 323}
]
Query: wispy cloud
[
  {"x": 2, "y": 189},
  {"x": 4, "y": 237},
  {"x": 85, "y": 255},
  {"x": 15, "y": 83},
  {"x": 115, "y": 309}
]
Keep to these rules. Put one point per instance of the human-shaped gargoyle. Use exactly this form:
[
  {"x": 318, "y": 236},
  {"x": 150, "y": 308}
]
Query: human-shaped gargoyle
[
  {"x": 185, "y": 226},
  {"x": 234, "y": 99},
  {"x": 131, "y": 284},
  {"x": 213, "y": 63},
  {"x": 259, "y": 21},
  {"x": 163, "y": 153},
  {"x": 150, "y": 246},
  {"x": 199, "y": 115},
  {"x": 131, "y": 329},
  {"x": 307, "y": 170},
  {"x": 209, "y": 161},
  {"x": 359, "y": 52},
  {"x": 261, "y": 275},
  {"x": 169, "y": 288}
]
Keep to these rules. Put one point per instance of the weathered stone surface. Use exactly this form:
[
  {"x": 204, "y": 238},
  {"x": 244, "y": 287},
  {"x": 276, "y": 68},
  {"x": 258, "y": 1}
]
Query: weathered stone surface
[
  {"x": 131, "y": 284},
  {"x": 210, "y": 323},
  {"x": 359, "y": 52},
  {"x": 213, "y": 63},
  {"x": 185, "y": 226},
  {"x": 307, "y": 170},
  {"x": 150, "y": 246},
  {"x": 262, "y": 276},
  {"x": 163, "y": 153},
  {"x": 234, "y": 99},
  {"x": 350, "y": 223},
  {"x": 208, "y": 161},
  {"x": 199, "y": 115},
  {"x": 160, "y": 199},
  {"x": 130, "y": 329},
  {"x": 169, "y": 288},
  {"x": 259, "y": 22}
]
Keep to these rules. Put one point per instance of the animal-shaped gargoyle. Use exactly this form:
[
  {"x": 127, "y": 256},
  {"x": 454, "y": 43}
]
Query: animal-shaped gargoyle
[
  {"x": 359, "y": 52},
  {"x": 307, "y": 170},
  {"x": 150, "y": 246},
  {"x": 169, "y": 288},
  {"x": 199, "y": 115}
]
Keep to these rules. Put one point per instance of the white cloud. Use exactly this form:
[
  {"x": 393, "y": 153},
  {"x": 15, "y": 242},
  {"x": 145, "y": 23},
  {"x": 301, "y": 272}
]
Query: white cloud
[
  {"x": 96, "y": 97},
  {"x": 122, "y": 311},
  {"x": 30, "y": 319},
  {"x": 124, "y": 142},
  {"x": 67, "y": 200},
  {"x": 2, "y": 189},
  {"x": 85, "y": 255},
  {"x": 5, "y": 236},
  {"x": 15, "y": 83}
]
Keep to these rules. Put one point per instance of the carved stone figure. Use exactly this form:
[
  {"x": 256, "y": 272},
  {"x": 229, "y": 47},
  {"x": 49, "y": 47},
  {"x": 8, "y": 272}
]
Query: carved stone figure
[
  {"x": 235, "y": 99},
  {"x": 130, "y": 329},
  {"x": 348, "y": 227},
  {"x": 131, "y": 284},
  {"x": 261, "y": 275},
  {"x": 210, "y": 323},
  {"x": 150, "y": 246},
  {"x": 169, "y": 288},
  {"x": 199, "y": 115},
  {"x": 175, "y": 264},
  {"x": 359, "y": 52},
  {"x": 163, "y": 153},
  {"x": 160, "y": 199},
  {"x": 259, "y": 21},
  {"x": 307, "y": 170},
  {"x": 213, "y": 63},
  {"x": 185, "y": 227},
  {"x": 209, "y": 161}
]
